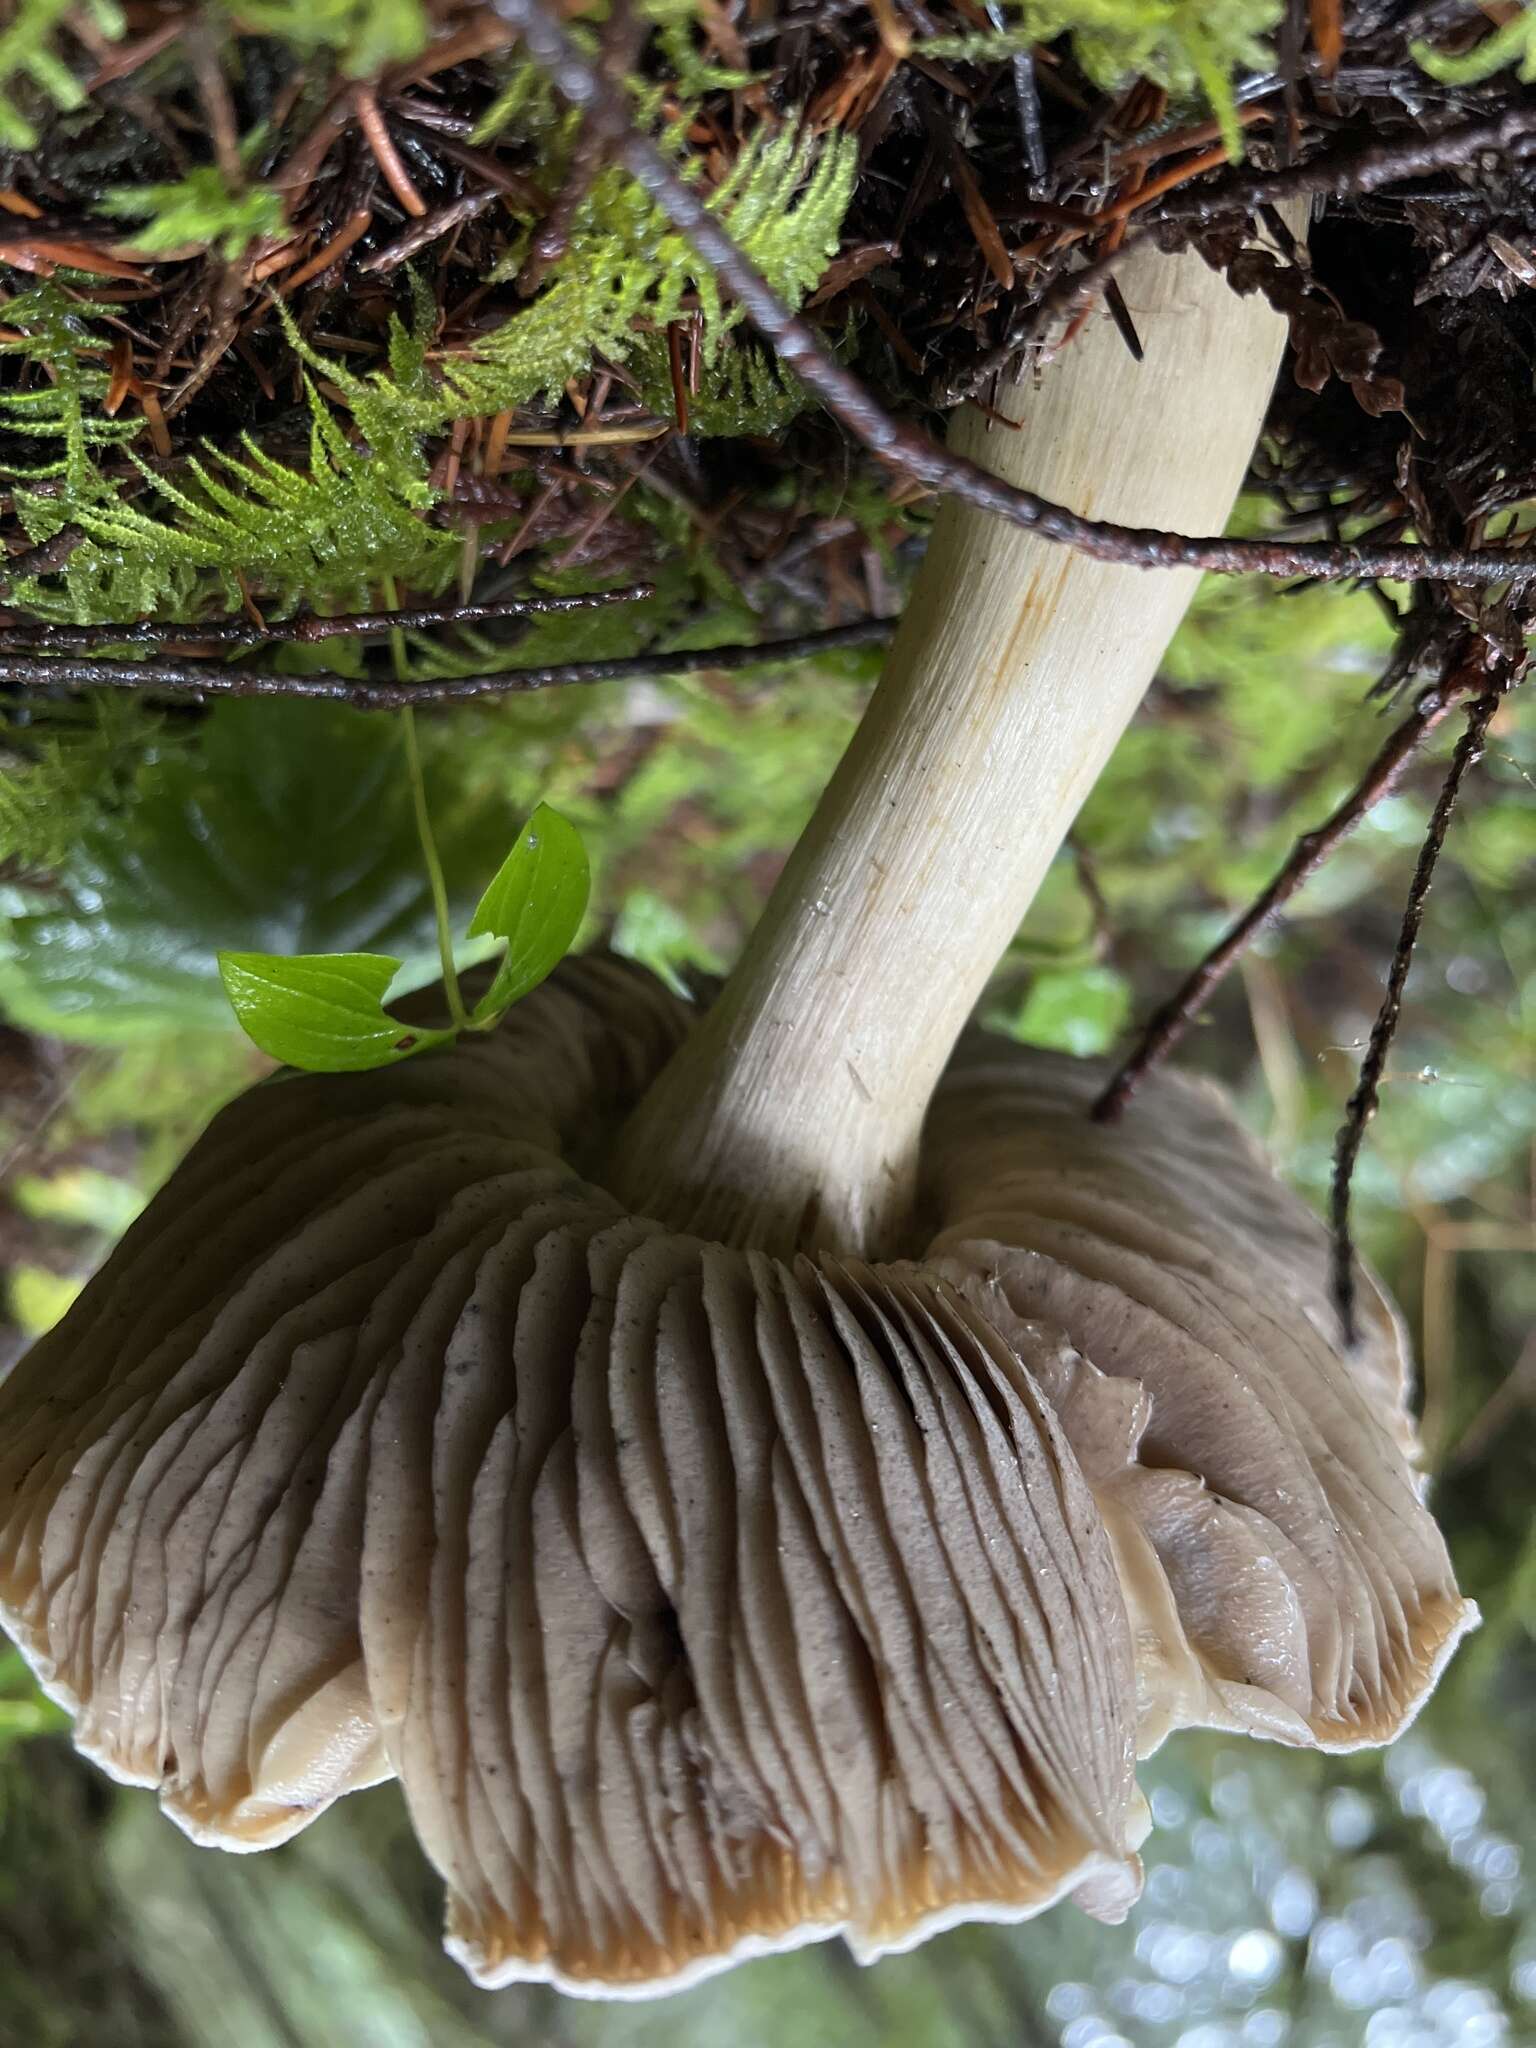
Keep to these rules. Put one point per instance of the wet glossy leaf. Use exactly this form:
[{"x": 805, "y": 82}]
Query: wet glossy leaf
[
  {"x": 536, "y": 902},
  {"x": 323, "y": 1012},
  {"x": 283, "y": 828}
]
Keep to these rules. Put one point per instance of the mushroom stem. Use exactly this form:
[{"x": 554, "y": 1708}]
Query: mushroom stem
[{"x": 791, "y": 1116}]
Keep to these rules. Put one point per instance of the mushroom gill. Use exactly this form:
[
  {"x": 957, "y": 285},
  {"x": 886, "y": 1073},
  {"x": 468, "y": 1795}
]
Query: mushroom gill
[
  {"x": 703, "y": 1601},
  {"x": 1280, "y": 1569},
  {"x": 706, "y": 1601}
]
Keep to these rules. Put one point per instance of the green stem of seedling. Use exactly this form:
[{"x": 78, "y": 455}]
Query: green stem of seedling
[{"x": 456, "y": 1010}]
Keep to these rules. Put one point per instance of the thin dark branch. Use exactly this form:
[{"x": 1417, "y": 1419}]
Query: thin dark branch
[
  {"x": 551, "y": 237},
  {"x": 1352, "y": 175},
  {"x": 45, "y": 559},
  {"x": 213, "y": 89},
  {"x": 211, "y": 679},
  {"x": 915, "y": 453},
  {"x": 1347, "y": 175},
  {"x": 620, "y": 47},
  {"x": 1362, "y": 1103},
  {"x": 244, "y": 632},
  {"x": 422, "y": 233},
  {"x": 1167, "y": 1026}
]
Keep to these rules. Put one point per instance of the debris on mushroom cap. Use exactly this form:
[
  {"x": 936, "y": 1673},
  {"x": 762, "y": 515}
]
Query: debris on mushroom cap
[
  {"x": 1282, "y": 1573},
  {"x": 706, "y": 1602}
]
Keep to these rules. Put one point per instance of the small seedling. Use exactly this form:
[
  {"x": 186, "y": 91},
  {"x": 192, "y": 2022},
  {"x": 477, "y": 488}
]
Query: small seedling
[{"x": 325, "y": 1013}]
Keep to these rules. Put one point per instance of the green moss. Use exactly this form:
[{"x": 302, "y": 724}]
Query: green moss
[
  {"x": 1513, "y": 45},
  {"x": 201, "y": 209},
  {"x": 30, "y": 58},
  {"x": 1189, "y": 47}
]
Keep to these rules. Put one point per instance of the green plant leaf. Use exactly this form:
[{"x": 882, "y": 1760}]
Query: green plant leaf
[
  {"x": 536, "y": 902},
  {"x": 323, "y": 1012},
  {"x": 281, "y": 828},
  {"x": 1079, "y": 1010}
]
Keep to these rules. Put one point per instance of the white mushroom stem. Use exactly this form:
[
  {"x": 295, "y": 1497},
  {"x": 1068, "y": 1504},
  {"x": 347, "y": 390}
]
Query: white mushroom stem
[{"x": 791, "y": 1117}]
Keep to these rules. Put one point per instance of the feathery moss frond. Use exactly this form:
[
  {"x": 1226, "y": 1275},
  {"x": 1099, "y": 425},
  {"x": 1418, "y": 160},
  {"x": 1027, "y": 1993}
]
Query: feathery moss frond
[
  {"x": 327, "y": 531},
  {"x": 325, "y": 534},
  {"x": 744, "y": 391},
  {"x": 677, "y": 27},
  {"x": 1514, "y": 44},
  {"x": 199, "y": 208},
  {"x": 784, "y": 201},
  {"x": 53, "y": 336}
]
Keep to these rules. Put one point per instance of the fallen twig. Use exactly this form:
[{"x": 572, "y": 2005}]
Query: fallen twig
[
  {"x": 1167, "y": 1026},
  {"x": 244, "y": 632},
  {"x": 441, "y": 221},
  {"x": 1363, "y": 1102},
  {"x": 211, "y": 679},
  {"x": 371, "y": 120},
  {"x": 45, "y": 559}
]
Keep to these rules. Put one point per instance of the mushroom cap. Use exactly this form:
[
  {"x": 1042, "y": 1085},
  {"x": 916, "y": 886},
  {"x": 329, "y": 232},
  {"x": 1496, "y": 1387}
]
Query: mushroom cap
[
  {"x": 706, "y": 1602},
  {"x": 1281, "y": 1571},
  {"x": 703, "y": 1602}
]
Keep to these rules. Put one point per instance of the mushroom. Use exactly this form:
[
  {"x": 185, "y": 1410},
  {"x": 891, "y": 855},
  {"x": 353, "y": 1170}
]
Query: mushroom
[{"x": 766, "y": 1473}]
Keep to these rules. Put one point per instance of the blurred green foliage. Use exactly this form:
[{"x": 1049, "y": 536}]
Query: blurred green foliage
[
  {"x": 59, "y": 780},
  {"x": 281, "y": 828},
  {"x": 30, "y": 59}
]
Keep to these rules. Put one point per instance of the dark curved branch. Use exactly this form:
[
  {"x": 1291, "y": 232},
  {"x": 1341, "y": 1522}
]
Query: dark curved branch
[
  {"x": 1363, "y": 1102},
  {"x": 1167, "y": 1026},
  {"x": 305, "y": 631},
  {"x": 214, "y": 679},
  {"x": 46, "y": 559},
  {"x": 1333, "y": 177},
  {"x": 1351, "y": 175},
  {"x": 914, "y": 453}
]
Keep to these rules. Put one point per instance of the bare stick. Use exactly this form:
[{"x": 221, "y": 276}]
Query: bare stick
[
  {"x": 430, "y": 228},
  {"x": 1345, "y": 176},
  {"x": 915, "y": 453},
  {"x": 211, "y": 679},
  {"x": 1167, "y": 1026},
  {"x": 46, "y": 559},
  {"x": 244, "y": 632},
  {"x": 382, "y": 143},
  {"x": 1362, "y": 1104}
]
